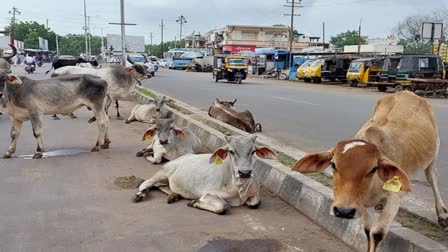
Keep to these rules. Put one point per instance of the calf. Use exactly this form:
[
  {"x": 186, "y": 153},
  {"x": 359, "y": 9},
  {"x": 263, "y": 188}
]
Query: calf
[
  {"x": 25, "y": 99},
  {"x": 121, "y": 81},
  {"x": 213, "y": 182},
  {"x": 399, "y": 140},
  {"x": 225, "y": 112},
  {"x": 149, "y": 112},
  {"x": 170, "y": 142}
]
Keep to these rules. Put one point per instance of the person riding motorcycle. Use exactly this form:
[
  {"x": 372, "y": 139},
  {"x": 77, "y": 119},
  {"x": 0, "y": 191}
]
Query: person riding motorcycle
[{"x": 30, "y": 61}]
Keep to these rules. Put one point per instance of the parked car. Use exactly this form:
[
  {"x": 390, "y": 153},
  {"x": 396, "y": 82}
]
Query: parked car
[
  {"x": 151, "y": 69},
  {"x": 162, "y": 63}
]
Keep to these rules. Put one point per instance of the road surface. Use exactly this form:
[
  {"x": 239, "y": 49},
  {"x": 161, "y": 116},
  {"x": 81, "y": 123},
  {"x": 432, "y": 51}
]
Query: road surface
[
  {"x": 307, "y": 116},
  {"x": 68, "y": 202}
]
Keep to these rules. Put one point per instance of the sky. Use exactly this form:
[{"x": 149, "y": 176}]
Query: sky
[{"x": 378, "y": 17}]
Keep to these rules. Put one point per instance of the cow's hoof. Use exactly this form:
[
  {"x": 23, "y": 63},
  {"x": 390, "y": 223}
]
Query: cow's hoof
[
  {"x": 255, "y": 206},
  {"x": 192, "y": 203},
  {"x": 95, "y": 149},
  {"x": 119, "y": 118},
  {"x": 173, "y": 198},
  {"x": 105, "y": 146},
  {"x": 91, "y": 120},
  {"x": 443, "y": 222},
  {"x": 147, "y": 154},
  {"x": 222, "y": 211},
  {"x": 73, "y": 117},
  {"x": 127, "y": 121},
  {"x": 140, "y": 153},
  {"x": 139, "y": 197},
  {"x": 38, "y": 155},
  {"x": 6, "y": 156}
]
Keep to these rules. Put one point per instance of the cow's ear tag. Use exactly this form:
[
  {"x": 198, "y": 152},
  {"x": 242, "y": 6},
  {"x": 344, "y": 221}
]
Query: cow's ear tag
[
  {"x": 218, "y": 160},
  {"x": 393, "y": 184}
]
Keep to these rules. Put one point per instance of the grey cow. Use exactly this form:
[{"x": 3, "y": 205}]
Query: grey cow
[
  {"x": 170, "y": 142},
  {"x": 213, "y": 182},
  {"x": 225, "y": 112},
  {"x": 121, "y": 81},
  {"x": 25, "y": 99}
]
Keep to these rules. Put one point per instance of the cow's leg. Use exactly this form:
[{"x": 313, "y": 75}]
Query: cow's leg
[
  {"x": 102, "y": 122},
  {"x": 132, "y": 117},
  {"x": 55, "y": 117},
  {"x": 254, "y": 202},
  {"x": 159, "y": 151},
  {"x": 367, "y": 219},
  {"x": 380, "y": 229},
  {"x": 172, "y": 196},
  {"x": 117, "y": 106},
  {"x": 72, "y": 116},
  {"x": 431, "y": 177},
  {"x": 158, "y": 178},
  {"x": 107, "y": 141},
  {"x": 210, "y": 203},
  {"x": 36, "y": 123},
  {"x": 15, "y": 133}
]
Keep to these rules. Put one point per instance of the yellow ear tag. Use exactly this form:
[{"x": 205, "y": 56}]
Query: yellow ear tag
[
  {"x": 392, "y": 185},
  {"x": 148, "y": 137},
  {"x": 218, "y": 160}
]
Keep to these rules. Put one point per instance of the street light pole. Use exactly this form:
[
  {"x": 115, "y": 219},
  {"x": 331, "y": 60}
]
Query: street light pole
[
  {"x": 182, "y": 21},
  {"x": 85, "y": 29},
  {"x": 123, "y": 35}
]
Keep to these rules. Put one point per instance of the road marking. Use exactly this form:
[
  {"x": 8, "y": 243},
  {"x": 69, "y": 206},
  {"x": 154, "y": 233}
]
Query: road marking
[{"x": 298, "y": 101}]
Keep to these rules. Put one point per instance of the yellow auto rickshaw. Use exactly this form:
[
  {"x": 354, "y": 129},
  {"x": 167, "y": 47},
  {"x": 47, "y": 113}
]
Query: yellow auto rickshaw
[
  {"x": 301, "y": 70},
  {"x": 230, "y": 68},
  {"x": 364, "y": 70}
]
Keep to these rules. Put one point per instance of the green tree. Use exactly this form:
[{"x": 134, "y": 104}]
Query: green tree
[
  {"x": 346, "y": 38},
  {"x": 156, "y": 50},
  {"x": 29, "y": 33},
  {"x": 73, "y": 44}
]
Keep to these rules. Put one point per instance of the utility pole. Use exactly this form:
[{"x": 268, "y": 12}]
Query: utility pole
[
  {"x": 175, "y": 42},
  {"x": 57, "y": 45},
  {"x": 151, "y": 38},
  {"x": 161, "y": 44},
  {"x": 14, "y": 12},
  {"x": 359, "y": 37},
  {"x": 123, "y": 33},
  {"x": 293, "y": 5},
  {"x": 182, "y": 21},
  {"x": 323, "y": 35},
  {"x": 90, "y": 39},
  {"x": 85, "y": 29}
]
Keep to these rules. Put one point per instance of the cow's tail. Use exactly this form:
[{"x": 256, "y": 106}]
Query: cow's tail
[
  {"x": 258, "y": 127},
  {"x": 49, "y": 70}
]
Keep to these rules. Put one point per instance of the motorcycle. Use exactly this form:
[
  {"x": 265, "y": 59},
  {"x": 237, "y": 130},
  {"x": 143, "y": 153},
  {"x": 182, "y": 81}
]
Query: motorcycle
[
  {"x": 39, "y": 63},
  {"x": 275, "y": 73},
  {"x": 29, "y": 68}
]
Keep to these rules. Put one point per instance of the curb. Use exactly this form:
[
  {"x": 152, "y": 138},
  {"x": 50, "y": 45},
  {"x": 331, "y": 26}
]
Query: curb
[{"x": 305, "y": 194}]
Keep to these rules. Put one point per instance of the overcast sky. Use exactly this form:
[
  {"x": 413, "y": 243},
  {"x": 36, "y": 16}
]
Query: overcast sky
[{"x": 66, "y": 16}]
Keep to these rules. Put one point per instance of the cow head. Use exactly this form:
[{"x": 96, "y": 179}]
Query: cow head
[
  {"x": 138, "y": 71},
  {"x": 356, "y": 165},
  {"x": 239, "y": 151},
  {"x": 165, "y": 130},
  {"x": 7, "y": 79},
  {"x": 160, "y": 100},
  {"x": 228, "y": 104}
]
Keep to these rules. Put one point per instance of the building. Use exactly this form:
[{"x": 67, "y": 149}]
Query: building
[
  {"x": 235, "y": 38},
  {"x": 133, "y": 44},
  {"x": 384, "y": 46},
  {"x": 4, "y": 44},
  {"x": 195, "y": 41}
]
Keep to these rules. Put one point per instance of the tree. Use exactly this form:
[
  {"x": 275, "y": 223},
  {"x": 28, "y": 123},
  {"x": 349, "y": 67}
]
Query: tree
[
  {"x": 346, "y": 38},
  {"x": 156, "y": 50},
  {"x": 29, "y": 33},
  {"x": 73, "y": 44}
]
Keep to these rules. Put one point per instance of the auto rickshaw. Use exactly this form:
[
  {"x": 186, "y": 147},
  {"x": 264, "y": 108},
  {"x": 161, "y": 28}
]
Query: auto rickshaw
[
  {"x": 230, "y": 68},
  {"x": 301, "y": 70},
  {"x": 364, "y": 70},
  {"x": 330, "y": 69}
]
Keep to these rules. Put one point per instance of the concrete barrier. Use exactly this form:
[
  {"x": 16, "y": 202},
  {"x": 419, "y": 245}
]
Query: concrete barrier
[{"x": 303, "y": 193}]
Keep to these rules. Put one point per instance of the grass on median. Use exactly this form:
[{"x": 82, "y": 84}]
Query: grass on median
[{"x": 146, "y": 92}]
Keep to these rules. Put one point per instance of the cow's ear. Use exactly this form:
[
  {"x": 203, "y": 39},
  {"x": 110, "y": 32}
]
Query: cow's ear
[
  {"x": 233, "y": 103},
  {"x": 265, "y": 152},
  {"x": 220, "y": 153},
  {"x": 313, "y": 163},
  {"x": 179, "y": 133},
  {"x": 387, "y": 169},
  {"x": 168, "y": 100},
  {"x": 129, "y": 69},
  {"x": 12, "y": 79},
  {"x": 149, "y": 134}
]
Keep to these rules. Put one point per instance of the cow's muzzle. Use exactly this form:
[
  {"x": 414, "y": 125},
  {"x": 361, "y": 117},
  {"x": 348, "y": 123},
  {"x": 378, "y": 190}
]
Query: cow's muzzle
[
  {"x": 163, "y": 142},
  {"x": 157, "y": 109},
  {"x": 245, "y": 173},
  {"x": 345, "y": 213}
]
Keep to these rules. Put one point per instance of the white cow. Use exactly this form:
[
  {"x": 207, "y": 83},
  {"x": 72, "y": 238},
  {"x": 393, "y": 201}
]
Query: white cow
[
  {"x": 151, "y": 111},
  {"x": 213, "y": 182}
]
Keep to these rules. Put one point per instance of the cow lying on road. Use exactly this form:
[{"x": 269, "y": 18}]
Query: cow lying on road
[
  {"x": 170, "y": 142},
  {"x": 25, "y": 99},
  {"x": 149, "y": 112},
  {"x": 399, "y": 140},
  {"x": 213, "y": 182},
  {"x": 121, "y": 81},
  {"x": 70, "y": 62},
  {"x": 225, "y": 112}
]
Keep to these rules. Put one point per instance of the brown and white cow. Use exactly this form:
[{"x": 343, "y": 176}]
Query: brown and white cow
[
  {"x": 399, "y": 140},
  {"x": 225, "y": 112}
]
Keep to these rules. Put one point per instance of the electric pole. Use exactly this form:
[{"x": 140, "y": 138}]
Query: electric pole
[
  {"x": 89, "y": 39},
  {"x": 181, "y": 20},
  {"x": 151, "y": 38},
  {"x": 161, "y": 44},
  {"x": 293, "y": 5},
  {"x": 323, "y": 35},
  {"x": 123, "y": 34},
  {"x": 359, "y": 37},
  {"x": 57, "y": 45},
  {"x": 14, "y": 12},
  {"x": 85, "y": 29}
]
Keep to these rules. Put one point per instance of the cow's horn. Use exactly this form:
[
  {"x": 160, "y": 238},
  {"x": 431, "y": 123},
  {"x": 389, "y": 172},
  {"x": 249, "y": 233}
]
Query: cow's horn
[{"x": 14, "y": 52}]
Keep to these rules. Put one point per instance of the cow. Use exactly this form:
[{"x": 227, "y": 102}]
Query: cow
[
  {"x": 70, "y": 62},
  {"x": 400, "y": 139},
  {"x": 28, "y": 100},
  {"x": 149, "y": 112},
  {"x": 225, "y": 112},
  {"x": 121, "y": 81},
  {"x": 170, "y": 142},
  {"x": 5, "y": 66},
  {"x": 213, "y": 182},
  {"x": 88, "y": 65}
]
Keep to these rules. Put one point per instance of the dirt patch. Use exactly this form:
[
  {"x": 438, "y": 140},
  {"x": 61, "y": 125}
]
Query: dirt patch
[
  {"x": 224, "y": 245},
  {"x": 125, "y": 183}
]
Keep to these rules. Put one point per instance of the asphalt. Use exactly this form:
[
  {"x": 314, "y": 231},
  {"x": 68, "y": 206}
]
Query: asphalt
[
  {"x": 68, "y": 202},
  {"x": 309, "y": 117}
]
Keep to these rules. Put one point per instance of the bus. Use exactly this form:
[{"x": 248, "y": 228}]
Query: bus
[{"x": 174, "y": 61}]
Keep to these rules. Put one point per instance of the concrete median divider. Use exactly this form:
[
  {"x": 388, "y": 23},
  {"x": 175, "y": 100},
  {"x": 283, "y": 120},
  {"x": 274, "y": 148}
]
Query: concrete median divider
[{"x": 307, "y": 195}]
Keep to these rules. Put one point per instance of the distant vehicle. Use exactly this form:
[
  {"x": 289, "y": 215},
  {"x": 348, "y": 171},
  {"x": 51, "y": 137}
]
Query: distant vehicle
[
  {"x": 230, "y": 68},
  {"x": 330, "y": 69},
  {"x": 151, "y": 69},
  {"x": 174, "y": 60},
  {"x": 364, "y": 71},
  {"x": 70, "y": 57},
  {"x": 162, "y": 63},
  {"x": 137, "y": 58},
  {"x": 301, "y": 70}
]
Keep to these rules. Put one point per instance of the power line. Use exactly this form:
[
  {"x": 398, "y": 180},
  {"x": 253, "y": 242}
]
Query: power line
[
  {"x": 293, "y": 5},
  {"x": 14, "y": 12},
  {"x": 182, "y": 21}
]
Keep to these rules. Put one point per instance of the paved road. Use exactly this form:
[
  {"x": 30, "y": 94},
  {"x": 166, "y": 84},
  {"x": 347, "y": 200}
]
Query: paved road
[
  {"x": 68, "y": 203},
  {"x": 309, "y": 117}
]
